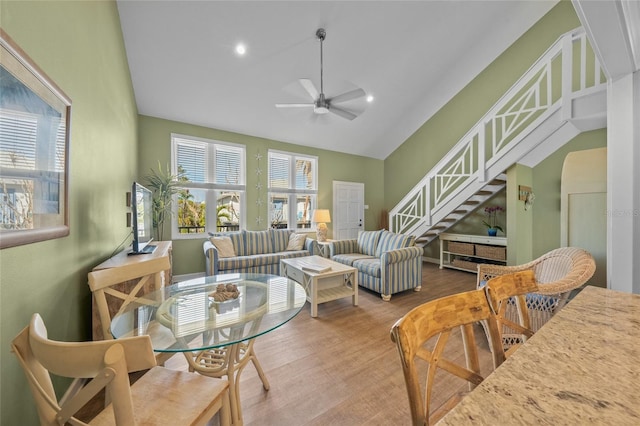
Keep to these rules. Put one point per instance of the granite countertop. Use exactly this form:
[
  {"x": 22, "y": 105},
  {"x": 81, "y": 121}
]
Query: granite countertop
[{"x": 582, "y": 367}]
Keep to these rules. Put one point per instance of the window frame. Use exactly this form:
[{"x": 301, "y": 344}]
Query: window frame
[
  {"x": 291, "y": 191},
  {"x": 213, "y": 189}
]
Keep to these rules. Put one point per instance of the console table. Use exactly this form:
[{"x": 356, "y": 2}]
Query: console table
[
  {"x": 163, "y": 248},
  {"x": 464, "y": 252}
]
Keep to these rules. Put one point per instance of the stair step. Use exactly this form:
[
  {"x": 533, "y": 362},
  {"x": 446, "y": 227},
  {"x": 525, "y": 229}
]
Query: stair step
[{"x": 471, "y": 203}]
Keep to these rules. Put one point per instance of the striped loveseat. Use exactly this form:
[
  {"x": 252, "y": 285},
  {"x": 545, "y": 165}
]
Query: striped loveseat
[
  {"x": 255, "y": 252},
  {"x": 387, "y": 263}
]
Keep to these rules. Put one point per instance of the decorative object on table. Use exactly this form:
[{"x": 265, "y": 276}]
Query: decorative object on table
[
  {"x": 491, "y": 222},
  {"x": 525, "y": 193},
  {"x": 321, "y": 217},
  {"x": 225, "y": 292},
  {"x": 164, "y": 185},
  {"x": 35, "y": 150}
]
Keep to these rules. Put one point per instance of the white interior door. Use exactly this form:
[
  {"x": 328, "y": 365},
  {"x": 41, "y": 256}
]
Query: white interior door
[
  {"x": 583, "y": 203},
  {"x": 588, "y": 230},
  {"x": 348, "y": 209}
]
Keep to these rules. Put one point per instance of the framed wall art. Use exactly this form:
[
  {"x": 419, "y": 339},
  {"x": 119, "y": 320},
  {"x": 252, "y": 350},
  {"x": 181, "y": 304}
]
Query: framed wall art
[{"x": 34, "y": 151}]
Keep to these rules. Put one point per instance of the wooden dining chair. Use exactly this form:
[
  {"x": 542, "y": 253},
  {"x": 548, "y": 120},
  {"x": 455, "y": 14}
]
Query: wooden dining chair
[
  {"x": 114, "y": 289},
  {"x": 509, "y": 291},
  {"x": 160, "y": 397},
  {"x": 437, "y": 319}
]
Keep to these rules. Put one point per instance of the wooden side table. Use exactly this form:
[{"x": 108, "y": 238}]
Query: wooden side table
[{"x": 323, "y": 248}]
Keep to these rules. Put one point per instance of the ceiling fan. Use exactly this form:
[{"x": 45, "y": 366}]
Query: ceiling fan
[{"x": 321, "y": 104}]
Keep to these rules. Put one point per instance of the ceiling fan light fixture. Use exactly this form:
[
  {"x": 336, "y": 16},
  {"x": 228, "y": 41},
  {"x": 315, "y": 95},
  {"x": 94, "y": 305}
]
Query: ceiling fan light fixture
[{"x": 321, "y": 104}]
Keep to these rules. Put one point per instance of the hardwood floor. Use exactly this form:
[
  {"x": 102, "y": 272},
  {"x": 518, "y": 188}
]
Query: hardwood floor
[{"x": 341, "y": 368}]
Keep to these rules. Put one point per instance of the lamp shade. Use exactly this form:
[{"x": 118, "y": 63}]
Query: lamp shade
[{"x": 321, "y": 216}]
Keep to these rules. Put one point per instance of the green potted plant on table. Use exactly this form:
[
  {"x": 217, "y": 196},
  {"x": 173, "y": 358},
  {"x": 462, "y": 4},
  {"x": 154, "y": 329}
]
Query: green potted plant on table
[
  {"x": 491, "y": 222},
  {"x": 164, "y": 186}
]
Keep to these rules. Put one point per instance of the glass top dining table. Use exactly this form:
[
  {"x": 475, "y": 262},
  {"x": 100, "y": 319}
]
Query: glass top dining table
[{"x": 185, "y": 316}]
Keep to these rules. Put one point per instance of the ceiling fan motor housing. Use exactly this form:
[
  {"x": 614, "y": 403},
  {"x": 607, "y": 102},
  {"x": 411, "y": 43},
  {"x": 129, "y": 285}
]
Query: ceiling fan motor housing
[{"x": 321, "y": 106}]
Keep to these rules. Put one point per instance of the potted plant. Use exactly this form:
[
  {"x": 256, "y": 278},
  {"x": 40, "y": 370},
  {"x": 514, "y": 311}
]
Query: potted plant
[
  {"x": 491, "y": 222},
  {"x": 164, "y": 186}
]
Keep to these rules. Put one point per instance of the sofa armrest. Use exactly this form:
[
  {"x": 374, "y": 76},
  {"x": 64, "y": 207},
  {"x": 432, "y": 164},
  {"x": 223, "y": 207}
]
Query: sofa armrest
[
  {"x": 400, "y": 255},
  {"x": 211, "y": 258},
  {"x": 310, "y": 246},
  {"x": 342, "y": 247}
]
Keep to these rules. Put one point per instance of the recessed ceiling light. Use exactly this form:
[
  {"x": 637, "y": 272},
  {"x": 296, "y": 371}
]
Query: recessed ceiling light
[
  {"x": 241, "y": 49},
  {"x": 370, "y": 98}
]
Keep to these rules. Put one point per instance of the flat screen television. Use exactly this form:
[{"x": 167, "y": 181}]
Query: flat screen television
[{"x": 142, "y": 219}]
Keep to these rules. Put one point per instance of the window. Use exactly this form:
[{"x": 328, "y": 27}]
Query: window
[
  {"x": 210, "y": 173},
  {"x": 293, "y": 190}
]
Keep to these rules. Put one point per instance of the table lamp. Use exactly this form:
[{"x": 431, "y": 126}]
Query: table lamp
[{"x": 321, "y": 217}]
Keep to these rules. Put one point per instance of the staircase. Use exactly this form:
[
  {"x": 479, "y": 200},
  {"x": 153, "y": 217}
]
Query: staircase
[{"x": 560, "y": 96}]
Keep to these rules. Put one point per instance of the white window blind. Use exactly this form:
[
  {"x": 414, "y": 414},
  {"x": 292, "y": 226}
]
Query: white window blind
[{"x": 212, "y": 186}]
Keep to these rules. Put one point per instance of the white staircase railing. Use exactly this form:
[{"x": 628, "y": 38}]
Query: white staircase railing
[{"x": 566, "y": 70}]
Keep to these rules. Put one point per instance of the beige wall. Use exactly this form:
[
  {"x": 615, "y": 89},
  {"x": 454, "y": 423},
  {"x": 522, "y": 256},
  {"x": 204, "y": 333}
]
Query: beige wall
[{"x": 79, "y": 45}]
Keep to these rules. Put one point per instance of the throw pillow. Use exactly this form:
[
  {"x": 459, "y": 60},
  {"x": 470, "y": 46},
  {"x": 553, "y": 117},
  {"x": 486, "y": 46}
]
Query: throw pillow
[
  {"x": 224, "y": 246},
  {"x": 296, "y": 242}
]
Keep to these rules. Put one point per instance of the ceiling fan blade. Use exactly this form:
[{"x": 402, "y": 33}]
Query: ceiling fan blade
[
  {"x": 342, "y": 113},
  {"x": 310, "y": 88},
  {"x": 347, "y": 96},
  {"x": 294, "y": 105}
]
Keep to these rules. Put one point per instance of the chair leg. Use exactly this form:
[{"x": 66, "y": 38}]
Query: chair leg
[{"x": 256, "y": 364}]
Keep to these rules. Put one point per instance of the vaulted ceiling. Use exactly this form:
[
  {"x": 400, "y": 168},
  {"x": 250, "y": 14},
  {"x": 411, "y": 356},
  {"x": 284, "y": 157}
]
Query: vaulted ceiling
[{"x": 411, "y": 56}]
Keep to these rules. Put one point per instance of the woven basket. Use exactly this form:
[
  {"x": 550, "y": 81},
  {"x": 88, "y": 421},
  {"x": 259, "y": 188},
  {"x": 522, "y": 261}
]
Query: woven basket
[
  {"x": 491, "y": 252},
  {"x": 460, "y": 248},
  {"x": 465, "y": 264}
]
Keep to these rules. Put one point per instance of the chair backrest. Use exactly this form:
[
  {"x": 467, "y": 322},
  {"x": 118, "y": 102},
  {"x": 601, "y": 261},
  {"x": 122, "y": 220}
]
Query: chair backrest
[
  {"x": 438, "y": 318},
  {"x": 511, "y": 289},
  {"x": 563, "y": 269},
  {"x": 108, "y": 367},
  {"x": 115, "y": 288}
]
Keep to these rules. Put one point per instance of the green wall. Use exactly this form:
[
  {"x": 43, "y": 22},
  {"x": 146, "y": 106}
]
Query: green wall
[
  {"x": 155, "y": 145},
  {"x": 79, "y": 45},
  {"x": 408, "y": 164}
]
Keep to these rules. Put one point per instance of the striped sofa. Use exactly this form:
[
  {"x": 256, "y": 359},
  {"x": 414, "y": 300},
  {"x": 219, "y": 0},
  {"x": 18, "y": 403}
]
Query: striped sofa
[
  {"x": 256, "y": 252},
  {"x": 387, "y": 263}
]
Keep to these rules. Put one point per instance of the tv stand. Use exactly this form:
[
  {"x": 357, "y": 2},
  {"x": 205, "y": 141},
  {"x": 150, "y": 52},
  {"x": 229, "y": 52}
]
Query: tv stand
[{"x": 148, "y": 249}]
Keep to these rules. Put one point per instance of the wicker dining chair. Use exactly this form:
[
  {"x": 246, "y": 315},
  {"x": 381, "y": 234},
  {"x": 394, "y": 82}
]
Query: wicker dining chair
[
  {"x": 508, "y": 292},
  {"x": 557, "y": 273},
  {"x": 436, "y": 319}
]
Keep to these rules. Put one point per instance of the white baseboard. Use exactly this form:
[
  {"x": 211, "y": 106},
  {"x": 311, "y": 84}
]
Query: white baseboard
[
  {"x": 186, "y": 277},
  {"x": 431, "y": 260}
]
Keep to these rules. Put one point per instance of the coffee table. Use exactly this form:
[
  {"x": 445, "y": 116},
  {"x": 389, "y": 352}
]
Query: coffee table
[{"x": 322, "y": 285}]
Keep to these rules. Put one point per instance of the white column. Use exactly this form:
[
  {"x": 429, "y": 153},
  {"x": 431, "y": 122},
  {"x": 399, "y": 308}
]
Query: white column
[{"x": 623, "y": 183}]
